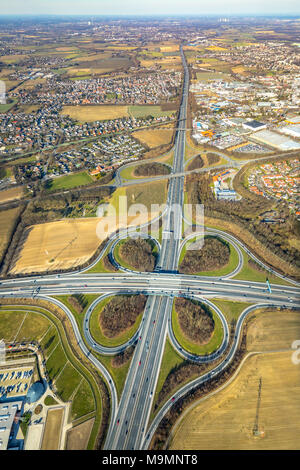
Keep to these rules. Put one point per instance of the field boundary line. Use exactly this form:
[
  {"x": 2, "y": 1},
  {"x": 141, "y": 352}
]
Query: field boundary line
[
  {"x": 58, "y": 342},
  {"x": 71, "y": 398},
  {"x": 49, "y": 328},
  {"x": 19, "y": 329},
  {"x": 57, "y": 377}
]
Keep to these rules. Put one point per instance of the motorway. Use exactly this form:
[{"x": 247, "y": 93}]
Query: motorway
[
  {"x": 128, "y": 431},
  {"x": 129, "y": 425}
]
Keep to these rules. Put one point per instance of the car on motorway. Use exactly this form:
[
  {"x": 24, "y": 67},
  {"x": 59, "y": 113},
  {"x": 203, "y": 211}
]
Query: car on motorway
[
  {"x": 118, "y": 421},
  {"x": 140, "y": 362},
  {"x": 173, "y": 398}
]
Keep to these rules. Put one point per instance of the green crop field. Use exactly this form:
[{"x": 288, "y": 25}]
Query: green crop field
[
  {"x": 143, "y": 111},
  {"x": 4, "y": 108},
  {"x": 71, "y": 181}
]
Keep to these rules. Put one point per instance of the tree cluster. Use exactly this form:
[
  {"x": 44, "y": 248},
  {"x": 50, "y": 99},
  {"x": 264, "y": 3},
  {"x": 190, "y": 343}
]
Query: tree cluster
[
  {"x": 151, "y": 169},
  {"x": 256, "y": 266},
  {"x": 213, "y": 255},
  {"x": 121, "y": 313},
  {"x": 108, "y": 265},
  {"x": 195, "y": 320},
  {"x": 120, "y": 359},
  {"x": 178, "y": 375},
  {"x": 196, "y": 163},
  {"x": 138, "y": 253},
  {"x": 246, "y": 214},
  {"x": 212, "y": 158},
  {"x": 78, "y": 302}
]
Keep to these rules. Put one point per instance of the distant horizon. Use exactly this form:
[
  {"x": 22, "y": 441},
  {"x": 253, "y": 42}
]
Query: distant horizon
[
  {"x": 119, "y": 8},
  {"x": 200, "y": 15},
  {"x": 149, "y": 15}
]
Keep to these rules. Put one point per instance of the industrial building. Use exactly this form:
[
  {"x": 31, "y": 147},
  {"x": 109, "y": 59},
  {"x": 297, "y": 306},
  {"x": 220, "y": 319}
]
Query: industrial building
[
  {"x": 254, "y": 125},
  {"x": 292, "y": 129},
  {"x": 228, "y": 194},
  {"x": 273, "y": 139},
  {"x": 9, "y": 423}
]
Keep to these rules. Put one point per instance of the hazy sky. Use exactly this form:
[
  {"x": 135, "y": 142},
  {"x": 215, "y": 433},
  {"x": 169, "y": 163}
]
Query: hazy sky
[{"x": 129, "y": 7}]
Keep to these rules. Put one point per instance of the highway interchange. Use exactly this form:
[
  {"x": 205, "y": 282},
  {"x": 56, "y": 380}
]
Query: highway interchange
[{"x": 129, "y": 424}]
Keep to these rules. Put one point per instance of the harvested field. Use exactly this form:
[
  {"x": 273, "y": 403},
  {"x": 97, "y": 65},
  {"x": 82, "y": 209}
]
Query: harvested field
[
  {"x": 169, "y": 48},
  {"x": 28, "y": 108},
  {"x": 71, "y": 242},
  {"x": 234, "y": 410},
  {"x": 273, "y": 330},
  {"x": 30, "y": 84},
  {"x": 11, "y": 194},
  {"x": 234, "y": 407},
  {"x": 216, "y": 48},
  {"x": 95, "y": 113},
  {"x": 52, "y": 432},
  {"x": 58, "y": 245},
  {"x": 239, "y": 69},
  {"x": 154, "y": 137},
  {"x": 78, "y": 437}
]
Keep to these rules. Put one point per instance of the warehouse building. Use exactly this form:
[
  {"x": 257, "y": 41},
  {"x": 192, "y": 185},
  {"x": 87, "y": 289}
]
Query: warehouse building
[
  {"x": 275, "y": 140},
  {"x": 292, "y": 129}
]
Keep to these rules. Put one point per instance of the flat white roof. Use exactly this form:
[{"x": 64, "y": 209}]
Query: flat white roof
[
  {"x": 8, "y": 412},
  {"x": 276, "y": 140}
]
